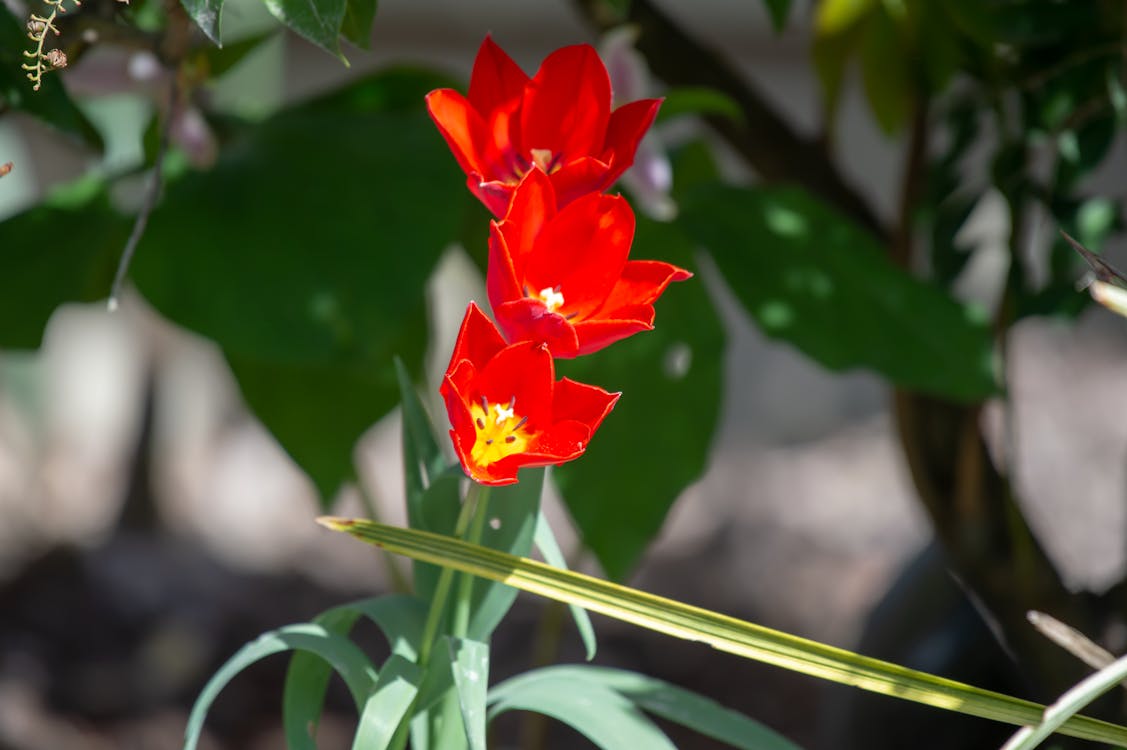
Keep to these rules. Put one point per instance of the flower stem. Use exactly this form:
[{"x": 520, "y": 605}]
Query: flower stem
[
  {"x": 442, "y": 589},
  {"x": 465, "y": 584}
]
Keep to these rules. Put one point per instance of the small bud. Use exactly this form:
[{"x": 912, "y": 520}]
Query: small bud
[
  {"x": 56, "y": 58},
  {"x": 36, "y": 28},
  {"x": 5, "y": 168}
]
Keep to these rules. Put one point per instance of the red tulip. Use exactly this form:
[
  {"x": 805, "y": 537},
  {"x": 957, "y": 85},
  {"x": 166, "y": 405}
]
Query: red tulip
[
  {"x": 506, "y": 408},
  {"x": 560, "y": 120},
  {"x": 561, "y": 276}
]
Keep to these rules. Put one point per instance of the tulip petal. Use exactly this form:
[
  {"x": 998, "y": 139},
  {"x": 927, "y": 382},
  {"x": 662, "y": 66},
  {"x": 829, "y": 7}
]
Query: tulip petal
[
  {"x": 566, "y": 105},
  {"x": 579, "y": 177},
  {"x": 532, "y": 206},
  {"x": 641, "y": 283},
  {"x": 527, "y": 319},
  {"x": 627, "y": 125},
  {"x": 600, "y": 333},
  {"x": 583, "y": 252},
  {"x": 462, "y": 127},
  {"x": 562, "y": 442},
  {"x": 496, "y": 79},
  {"x": 583, "y": 403},
  {"x": 478, "y": 339},
  {"x": 523, "y": 374}
]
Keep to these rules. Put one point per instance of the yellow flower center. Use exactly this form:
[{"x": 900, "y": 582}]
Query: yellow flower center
[
  {"x": 545, "y": 159},
  {"x": 551, "y": 298},
  {"x": 500, "y": 431}
]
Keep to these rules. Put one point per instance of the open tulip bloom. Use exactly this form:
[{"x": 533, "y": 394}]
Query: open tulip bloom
[
  {"x": 561, "y": 276},
  {"x": 506, "y": 408},
  {"x": 559, "y": 120}
]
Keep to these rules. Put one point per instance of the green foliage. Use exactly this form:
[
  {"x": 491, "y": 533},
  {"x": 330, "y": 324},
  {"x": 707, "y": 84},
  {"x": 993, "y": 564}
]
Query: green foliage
[
  {"x": 545, "y": 541},
  {"x": 539, "y": 690},
  {"x": 470, "y": 665},
  {"x": 63, "y": 251},
  {"x": 809, "y": 277},
  {"x": 778, "y": 10},
  {"x": 50, "y": 103},
  {"x": 657, "y": 439},
  {"x": 206, "y": 14},
  {"x": 309, "y": 269}
]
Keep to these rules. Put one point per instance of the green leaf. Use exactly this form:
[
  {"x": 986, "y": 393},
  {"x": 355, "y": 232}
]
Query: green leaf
[
  {"x": 886, "y": 71},
  {"x": 671, "y": 381},
  {"x": 358, "y": 18},
  {"x": 319, "y": 21},
  {"x": 348, "y": 661},
  {"x": 698, "y": 100},
  {"x": 677, "y": 705},
  {"x": 206, "y": 14},
  {"x": 391, "y": 699},
  {"x": 545, "y": 541},
  {"x": 399, "y": 617},
  {"x": 51, "y": 102},
  {"x": 513, "y": 510},
  {"x": 310, "y": 268},
  {"x": 469, "y": 661},
  {"x": 778, "y": 10},
  {"x": 64, "y": 251},
  {"x": 722, "y": 632},
  {"x": 809, "y": 277},
  {"x": 598, "y": 713}
]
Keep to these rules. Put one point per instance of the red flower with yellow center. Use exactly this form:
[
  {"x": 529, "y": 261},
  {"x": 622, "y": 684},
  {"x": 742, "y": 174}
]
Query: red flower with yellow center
[
  {"x": 561, "y": 276},
  {"x": 506, "y": 408},
  {"x": 559, "y": 120}
]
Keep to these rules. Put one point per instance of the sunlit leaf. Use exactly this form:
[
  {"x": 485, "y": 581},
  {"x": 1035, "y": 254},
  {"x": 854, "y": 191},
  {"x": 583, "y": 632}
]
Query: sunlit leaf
[
  {"x": 807, "y": 276},
  {"x": 470, "y": 665},
  {"x": 545, "y": 541},
  {"x": 391, "y": 698},
  {"x": 206, "y": 14}
]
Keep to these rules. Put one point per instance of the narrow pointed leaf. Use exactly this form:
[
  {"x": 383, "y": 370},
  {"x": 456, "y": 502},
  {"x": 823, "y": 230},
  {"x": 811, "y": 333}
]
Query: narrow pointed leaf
[
  {"x": 469, "y": 662},
  {"x": 545, "y": 541},
  {"x": 319, "y": 21},
  {"x": 206, "y": 14},
  {"x": 598, "y": 713},
  {"x": 675, "y": 704},
  {"x": 722, "y": 632},
  {"x": 358, "y": 18},
  {"x": 344, "y": 656},
  {"x": 391, "y": 698}
]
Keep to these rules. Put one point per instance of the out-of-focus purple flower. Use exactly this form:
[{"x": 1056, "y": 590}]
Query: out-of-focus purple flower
[{"x": 650, "y": 179}]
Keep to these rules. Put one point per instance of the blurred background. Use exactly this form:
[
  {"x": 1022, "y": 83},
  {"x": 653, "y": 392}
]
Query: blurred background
[{"x": 150, "y": 524}]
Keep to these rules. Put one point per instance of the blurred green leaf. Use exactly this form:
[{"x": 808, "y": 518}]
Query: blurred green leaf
[
  {"x": 657, "y": 439},
  {"x": 807, "y": 276},
  {"x": 63, "y": 251},
  {"x": 698, "y": 100},
  {"x": 469, "y": 661},
  {"x": 344, "y": 656},
  {"x": 219, "y": 60},
  {"x": 319, "y": 21},
  {"x": 778, "y": 10},
  {"x": 51, "y": 102},
  {"x": 670, "y": 702},
  {"x": 358, "y": 18},
  {"x": 598, "y": 713},
  {"x": 886, "y": 71},
  {"x": 206, "y": 14},
  {"x": 545, "y": 541},
  {"x": 309, "y": 269}
]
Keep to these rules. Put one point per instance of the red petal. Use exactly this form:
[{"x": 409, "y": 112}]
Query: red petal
[
  {"x": 494, "y": 194},
  {"x": 532, "y": 206},
  {"x": 583, "y": 403},
  {"x": 641, "y": 283},
  {"x": 463, "y": 435},
  {"x": 527, "y": 319},
  {"x": 496, "y": 79},
  {"x": 462, "y": 127},
  {"x": 478, "y": 340},
  {"x": 523, "y": 372},
  {"x": 579, "y": 177},
  {"x": 501, "y": 281},
  {"x": 597, "y": 334},
  {"x": 583, "y": 251},
  {"x": 627, "y": 125},
  {"x": 567, "y": 104},
  {"x": 565, "y": 441}
]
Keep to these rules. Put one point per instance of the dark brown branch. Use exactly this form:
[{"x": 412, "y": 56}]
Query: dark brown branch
[{"x": 763, "y": 137}]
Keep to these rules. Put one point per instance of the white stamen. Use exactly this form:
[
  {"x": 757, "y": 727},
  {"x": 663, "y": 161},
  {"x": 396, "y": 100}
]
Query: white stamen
[
  {"x": 552, "y": 299},
  {"x": 503, "y": 413}
]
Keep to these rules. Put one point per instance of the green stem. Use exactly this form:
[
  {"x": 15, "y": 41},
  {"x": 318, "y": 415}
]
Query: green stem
[
  {"x": 442, "y": 589},
  {"x": 465, "y": 583}
]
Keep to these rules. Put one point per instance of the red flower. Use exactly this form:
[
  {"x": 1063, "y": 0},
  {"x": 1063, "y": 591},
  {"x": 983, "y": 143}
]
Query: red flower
[
  {"x": 561, "y": 275},
  {"x": 508, "y": 410},
  {"x": 560, "y": 120}
]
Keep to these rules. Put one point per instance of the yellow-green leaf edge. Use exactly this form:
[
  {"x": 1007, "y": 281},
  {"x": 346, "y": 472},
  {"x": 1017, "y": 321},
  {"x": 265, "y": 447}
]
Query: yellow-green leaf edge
[{"x": 722, "y": 632}]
